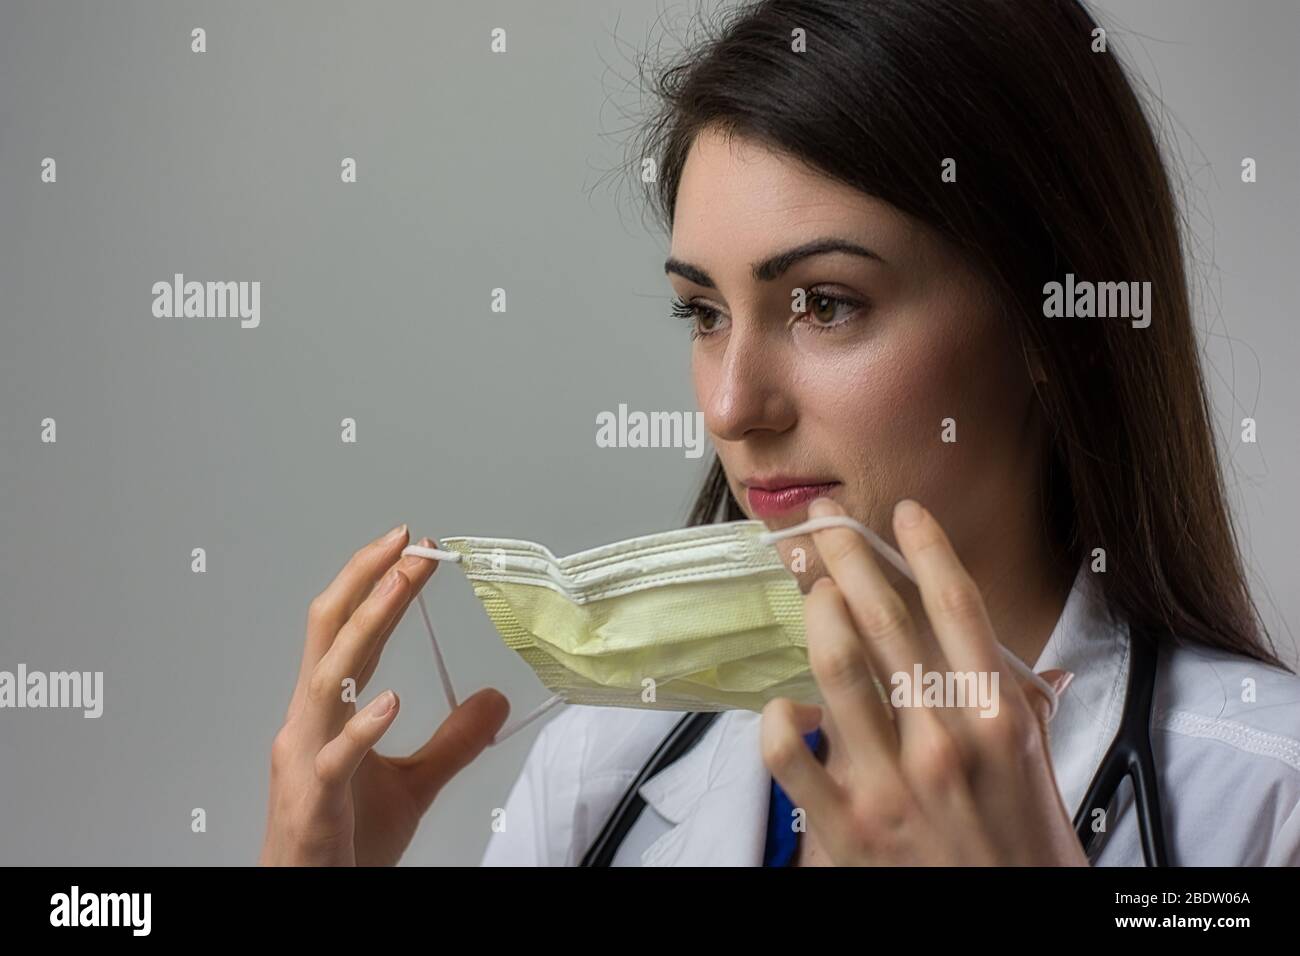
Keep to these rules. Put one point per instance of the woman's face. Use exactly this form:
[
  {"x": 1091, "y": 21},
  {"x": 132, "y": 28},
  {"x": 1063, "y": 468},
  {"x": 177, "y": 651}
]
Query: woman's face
[{"x": 847, "y": 393}]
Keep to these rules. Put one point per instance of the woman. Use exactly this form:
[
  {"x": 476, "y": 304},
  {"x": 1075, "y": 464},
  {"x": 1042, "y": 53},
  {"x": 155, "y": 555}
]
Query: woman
[{"x": 869, "y": 202}]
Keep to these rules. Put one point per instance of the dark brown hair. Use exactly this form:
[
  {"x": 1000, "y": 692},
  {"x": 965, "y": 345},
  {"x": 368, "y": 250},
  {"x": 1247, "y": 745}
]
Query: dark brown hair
[{"x": 1058, "y": 172}]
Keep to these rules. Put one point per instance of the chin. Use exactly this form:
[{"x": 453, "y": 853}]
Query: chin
[
  {"x": 813, "y": 568},
  {"x": 808, "y": 578}
]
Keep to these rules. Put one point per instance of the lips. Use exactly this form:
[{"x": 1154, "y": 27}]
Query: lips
[{"x": 774, "y": 496}]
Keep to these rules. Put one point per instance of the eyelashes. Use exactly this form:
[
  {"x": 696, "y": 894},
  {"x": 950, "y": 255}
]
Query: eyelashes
[
  {"x": 692, "y": 313},
  {"x": 696, "y": 313}
]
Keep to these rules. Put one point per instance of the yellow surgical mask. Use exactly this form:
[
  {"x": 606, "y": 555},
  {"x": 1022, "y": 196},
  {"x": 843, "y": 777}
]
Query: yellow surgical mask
[{"x": 704, "y": 618}]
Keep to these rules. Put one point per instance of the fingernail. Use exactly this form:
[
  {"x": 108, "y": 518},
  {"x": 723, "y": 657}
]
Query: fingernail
[
  {"x": 908, "y": 513},
  {"x": 821, "y": 507},
  {"x": 1061, "y": 683},
  {"x": 390, "y": 582},
  {"x": 396, "y": 533},
  {"x": 382, "y": 705}
]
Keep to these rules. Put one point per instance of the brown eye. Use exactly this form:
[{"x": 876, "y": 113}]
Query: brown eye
[
  {"x": 825, "y": 312},
  {"x": 823, "y": 309},
  {"x": 702, "y": 318}
]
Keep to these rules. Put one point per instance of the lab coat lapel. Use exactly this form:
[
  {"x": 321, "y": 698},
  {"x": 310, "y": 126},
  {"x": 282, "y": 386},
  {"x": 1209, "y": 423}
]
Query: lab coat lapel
[
  {"x": 716, "y": 795},
  {"x": 1089, "y": 642}
]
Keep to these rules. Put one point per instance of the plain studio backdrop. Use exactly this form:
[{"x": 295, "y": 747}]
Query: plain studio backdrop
[{"x": 475, "y": 171}]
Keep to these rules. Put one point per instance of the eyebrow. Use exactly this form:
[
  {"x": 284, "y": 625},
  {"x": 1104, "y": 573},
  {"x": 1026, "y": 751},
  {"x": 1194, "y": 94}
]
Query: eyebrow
[{"x": 773, "y": 266}]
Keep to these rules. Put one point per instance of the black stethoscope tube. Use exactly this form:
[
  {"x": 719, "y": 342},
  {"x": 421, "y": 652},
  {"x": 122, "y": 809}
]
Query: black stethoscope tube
[{"x": 1130, "y": 755}]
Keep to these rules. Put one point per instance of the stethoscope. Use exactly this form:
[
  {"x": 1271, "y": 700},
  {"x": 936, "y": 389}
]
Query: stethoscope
[{"x": 1129, "y": 755}]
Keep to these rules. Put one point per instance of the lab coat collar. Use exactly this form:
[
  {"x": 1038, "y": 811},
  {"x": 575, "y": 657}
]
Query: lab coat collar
[
  {"x": 1095, "y": 646},
  {"x": 716, "y": 795}
]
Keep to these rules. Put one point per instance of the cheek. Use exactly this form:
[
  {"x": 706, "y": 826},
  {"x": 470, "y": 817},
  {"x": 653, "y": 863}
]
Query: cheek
[
  {"x": 881, "y": 413},
  {"x": 877, "y": 415}
]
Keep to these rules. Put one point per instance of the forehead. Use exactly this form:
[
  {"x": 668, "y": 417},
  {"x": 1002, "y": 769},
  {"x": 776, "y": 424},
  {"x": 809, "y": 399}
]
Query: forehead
[{"x": 740, "y": 198}]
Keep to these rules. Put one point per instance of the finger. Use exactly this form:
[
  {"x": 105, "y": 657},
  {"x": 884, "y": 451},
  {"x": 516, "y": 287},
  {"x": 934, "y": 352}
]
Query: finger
[
  {"x": 808, "y": 784},
  {"x": 879, "y": 613},
  {"x": 418, "y": 570},
  {"x": 952, "y": 599},
  {"x": 352, "y": 585},
  {"x": 848, "y": 685},
  {"x": 324, "y": 708},
  {"x": 333, "y": 606},
  {"x": 459, "y": 739},
  {"x": 339, "y": 759},
  {"x": 1041, "y": 706}
]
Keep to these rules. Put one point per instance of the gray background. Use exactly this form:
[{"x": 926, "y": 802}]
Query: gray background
[{"x": 475, "y": 171}]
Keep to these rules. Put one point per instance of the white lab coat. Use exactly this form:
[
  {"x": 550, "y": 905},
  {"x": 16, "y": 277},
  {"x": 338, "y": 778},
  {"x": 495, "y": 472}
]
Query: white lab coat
[{"x": 1229, "y": 771}]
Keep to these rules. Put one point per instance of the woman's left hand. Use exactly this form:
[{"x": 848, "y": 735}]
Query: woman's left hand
[{"x": 926, "y": 785}]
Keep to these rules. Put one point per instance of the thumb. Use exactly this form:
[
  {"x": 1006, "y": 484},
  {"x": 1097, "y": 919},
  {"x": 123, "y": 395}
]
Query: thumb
[{"x": 459, "y": 739}]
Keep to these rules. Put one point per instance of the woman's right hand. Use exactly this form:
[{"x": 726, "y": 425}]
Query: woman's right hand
[{"x": 334, "y": 801}]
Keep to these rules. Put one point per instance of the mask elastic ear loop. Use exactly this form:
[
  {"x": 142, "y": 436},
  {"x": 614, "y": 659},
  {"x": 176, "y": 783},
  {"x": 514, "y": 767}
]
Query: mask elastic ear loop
[
  {"x": 437, "y": 554},
  {"x": 896, "y": 559}
]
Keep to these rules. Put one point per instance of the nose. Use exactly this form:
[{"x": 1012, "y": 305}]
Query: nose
[{"x": 746, "y": 391}]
